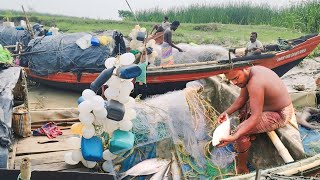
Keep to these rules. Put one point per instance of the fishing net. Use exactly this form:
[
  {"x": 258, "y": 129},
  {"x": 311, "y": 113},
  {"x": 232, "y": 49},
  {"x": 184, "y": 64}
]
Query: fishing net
[
  {"x": 195, "y": 53},
  {"x": 310, "y": 140},
  {"x": 182, "y": 122},
  {"x": 222, "y": 157}
]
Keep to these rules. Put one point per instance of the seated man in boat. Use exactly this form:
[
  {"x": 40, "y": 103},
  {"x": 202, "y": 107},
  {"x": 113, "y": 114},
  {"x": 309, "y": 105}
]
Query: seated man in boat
[
  {"x": 167, "y": 45},
  {"x": 140, "y": 86},
  {"x": 264, "y": 105},
  {"x": 254, "y": 47}
]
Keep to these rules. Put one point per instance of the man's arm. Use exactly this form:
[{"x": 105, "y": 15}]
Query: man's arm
[
  {"x": 169, "y": 38},
  {"x": 256, "y": 105},
  {"x": 239, "y": 102}
]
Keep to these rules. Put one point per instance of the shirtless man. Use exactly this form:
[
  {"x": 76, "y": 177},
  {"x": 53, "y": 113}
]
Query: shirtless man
[
  {"x": 167, "y": 45},
  {"x": 264, "y": 105},
  {"x": 165, "y": 24},
  {"x": 254, "y": 47}
]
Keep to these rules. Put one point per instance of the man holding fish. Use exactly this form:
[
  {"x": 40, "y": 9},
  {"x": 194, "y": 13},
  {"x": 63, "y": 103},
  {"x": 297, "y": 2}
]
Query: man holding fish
[{"x": 264, "y": 105}]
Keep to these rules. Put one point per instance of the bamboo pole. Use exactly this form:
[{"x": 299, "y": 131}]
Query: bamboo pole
[
  {"x": 25, "y": 169},
  {"x": 283, "y": 151},
  {"x": 28, "y": 23},
  {"x": 182, "y": 65},
  {"x": 300, "y": 169}
]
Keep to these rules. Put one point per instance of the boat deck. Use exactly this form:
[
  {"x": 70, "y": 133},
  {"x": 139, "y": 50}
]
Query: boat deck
[{"x": 45, "y": 154}]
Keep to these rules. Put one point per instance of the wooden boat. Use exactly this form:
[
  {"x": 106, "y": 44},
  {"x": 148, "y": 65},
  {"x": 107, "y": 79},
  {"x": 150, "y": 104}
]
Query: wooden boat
[
  {"x": 47, "y": 160},
  {"x": 164, "y": 79}
]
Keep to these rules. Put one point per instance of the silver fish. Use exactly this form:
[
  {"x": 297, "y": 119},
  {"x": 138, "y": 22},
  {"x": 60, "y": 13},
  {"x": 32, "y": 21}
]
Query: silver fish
[
  {"x": 175, "y": 170},
  {"x": 146, "y": 167},
  {"x": 160, "y": 173}
]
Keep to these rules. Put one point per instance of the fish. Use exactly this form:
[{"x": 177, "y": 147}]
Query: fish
[
  {"x": 221, "y": 131},
  {"x": 175, "y": 170},
  {"x": 161, "y": 173},
  {"x": 166, "y": 177},
  {"x": 146, "y": 167},
  {"x": 301, "y": 119}
]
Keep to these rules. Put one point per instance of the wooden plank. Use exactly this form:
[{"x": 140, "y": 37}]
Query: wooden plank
[
  {"x": 65, "y": 134},
  {"x": 52, "y": 175},
  {"x": 58, "y": 166},
  {"x": 38, "y": 145},
  {"x": 13, "y": 155},
  {"x": 43, "y": 158}
]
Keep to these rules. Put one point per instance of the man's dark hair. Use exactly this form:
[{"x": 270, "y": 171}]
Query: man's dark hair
[
  {"x": 166, "y": 18},
  {"x": 255, "y": 33},
  {"x": 175, "y": 23}
]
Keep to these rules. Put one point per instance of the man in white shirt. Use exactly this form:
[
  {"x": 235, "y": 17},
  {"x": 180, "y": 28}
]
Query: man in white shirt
[{"x": 254, "y": 47}]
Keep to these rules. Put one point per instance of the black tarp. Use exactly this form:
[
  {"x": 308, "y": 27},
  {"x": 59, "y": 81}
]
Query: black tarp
[
  {"x": 52, "y": 54},
  {"x": 10, "y": 35},
  {"x": 8, "y": 80}
]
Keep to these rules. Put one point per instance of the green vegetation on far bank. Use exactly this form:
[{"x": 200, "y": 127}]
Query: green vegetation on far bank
[
  {"x": 229, "y": 35},
  {"x": 304, "y": 16}
]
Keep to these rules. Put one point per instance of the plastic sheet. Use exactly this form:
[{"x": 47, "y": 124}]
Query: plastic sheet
[{"x": 10, "y": 35}]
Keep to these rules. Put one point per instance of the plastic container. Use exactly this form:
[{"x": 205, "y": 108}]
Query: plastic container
[
  {"x": 115, "y": 110},
  {"x": 84, "y": 42},
  {"x": 49, "y": 34},
  {"x": 95, "y": 41},
  {"x": 141, "y": 36},
  {"x": 121, "y": 141},
  {"x": 92, "y": 149},
  {"x": 129, "y": 72},
  {"x": 103, "y": 77}
]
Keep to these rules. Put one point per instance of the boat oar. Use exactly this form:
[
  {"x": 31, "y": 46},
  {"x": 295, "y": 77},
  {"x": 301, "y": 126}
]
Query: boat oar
[{"x": 283, "y": 151}]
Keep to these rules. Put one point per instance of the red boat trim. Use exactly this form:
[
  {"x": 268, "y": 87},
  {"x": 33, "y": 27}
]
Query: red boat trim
[{"x": 197, "y": 72}]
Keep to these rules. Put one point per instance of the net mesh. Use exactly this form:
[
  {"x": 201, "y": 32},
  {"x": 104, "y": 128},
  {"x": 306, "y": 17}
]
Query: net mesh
[{"x": 188, "y": 119}]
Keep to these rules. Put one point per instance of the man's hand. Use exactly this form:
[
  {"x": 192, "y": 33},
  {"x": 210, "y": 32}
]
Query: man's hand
[
  {"x": 222, "y": 117},
  {"x": 227, "y": 140}
]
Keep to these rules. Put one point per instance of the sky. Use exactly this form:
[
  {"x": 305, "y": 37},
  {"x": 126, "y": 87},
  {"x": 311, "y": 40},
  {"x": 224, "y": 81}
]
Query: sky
[{"x": 108, "y": 9}]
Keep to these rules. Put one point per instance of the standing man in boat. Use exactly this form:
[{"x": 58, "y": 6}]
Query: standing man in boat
[
  {"x": 254, "y": 46},
  {"x": 160, "y": 28},
  {"x": 167, "y": 45},
  {"x": 264, "y": 105}
]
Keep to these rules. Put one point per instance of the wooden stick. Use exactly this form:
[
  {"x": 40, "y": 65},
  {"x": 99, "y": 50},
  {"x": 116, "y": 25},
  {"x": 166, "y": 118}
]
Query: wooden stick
[
  {"x": 25, "y": 169},
  {"x": 57, "y": 120},
  {"x": 28, "y": 23},
  {"x": 283, "y": 151},
  {"x": 300, "y": 169},
  {"x": 55, "y": 109},
  {"x": 14, "y": 150},
  {"x": 183, "y": 65}
]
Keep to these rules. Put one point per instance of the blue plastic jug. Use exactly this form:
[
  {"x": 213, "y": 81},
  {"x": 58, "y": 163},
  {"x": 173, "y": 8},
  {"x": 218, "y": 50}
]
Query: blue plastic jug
[
  {"x": 80, "y": 100},
  {"x": 121, "y": 141},
  {"x": 128, "y": 72},
  {"x": 115, "y": 110},
  {"x": 95, "y": 41},
  {"x": 103, "y": 77},
  {"x": 92, "y": 149}
]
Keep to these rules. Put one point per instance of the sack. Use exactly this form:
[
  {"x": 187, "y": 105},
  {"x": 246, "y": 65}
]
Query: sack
[{"x": 21, "y": 122}]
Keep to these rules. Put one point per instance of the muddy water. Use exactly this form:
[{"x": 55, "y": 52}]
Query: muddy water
[{"x": 42, "y": 97}]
